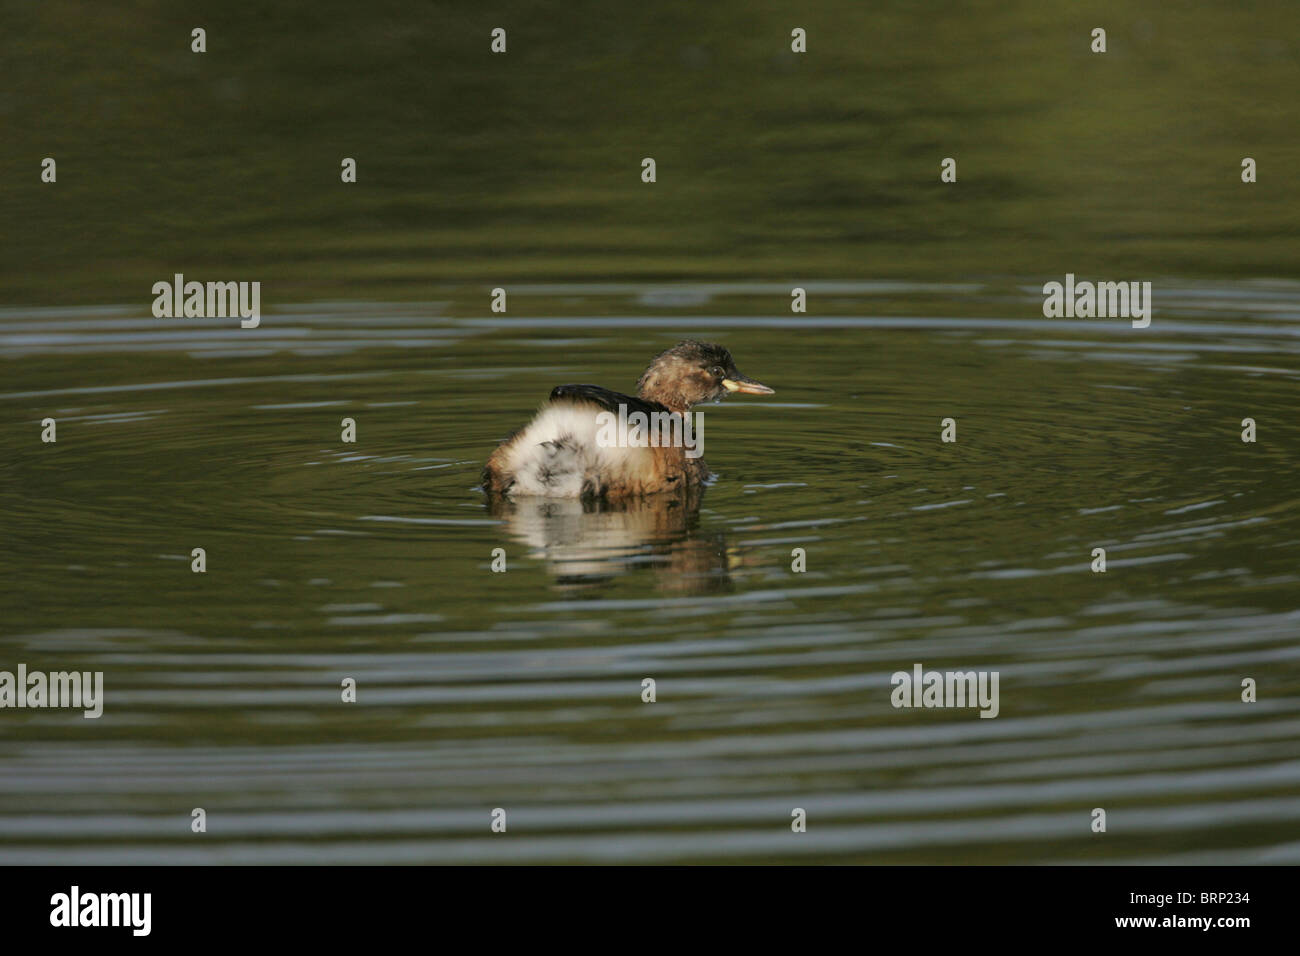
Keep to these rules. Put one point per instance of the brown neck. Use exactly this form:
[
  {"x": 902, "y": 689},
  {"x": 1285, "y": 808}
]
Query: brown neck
[{"x": 670, "y": 398}]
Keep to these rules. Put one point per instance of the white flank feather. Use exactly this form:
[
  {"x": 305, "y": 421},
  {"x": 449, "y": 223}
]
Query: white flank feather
[{"x": 557, "y": 455}]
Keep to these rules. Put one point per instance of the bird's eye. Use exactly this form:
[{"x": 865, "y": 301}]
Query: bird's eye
[{"x": 716, "y": 371}]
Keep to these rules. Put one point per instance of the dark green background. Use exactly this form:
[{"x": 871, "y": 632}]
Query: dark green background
[{"x": 480, "y": 168}]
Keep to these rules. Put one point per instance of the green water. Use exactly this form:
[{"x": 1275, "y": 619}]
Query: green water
[
  {"x": 522, "y": 690},
  {"x": 772, "y": 166}
]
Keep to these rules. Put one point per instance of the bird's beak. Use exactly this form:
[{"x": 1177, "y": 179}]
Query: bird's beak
[{"x": 739, "y": 383}]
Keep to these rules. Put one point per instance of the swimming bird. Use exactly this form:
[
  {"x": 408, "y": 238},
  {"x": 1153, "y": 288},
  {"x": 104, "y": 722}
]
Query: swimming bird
[{"x": 565, "y": 451}]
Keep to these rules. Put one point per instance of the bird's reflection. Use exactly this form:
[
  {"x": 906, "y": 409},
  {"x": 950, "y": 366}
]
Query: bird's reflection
[{"x": 586, "y": 543}]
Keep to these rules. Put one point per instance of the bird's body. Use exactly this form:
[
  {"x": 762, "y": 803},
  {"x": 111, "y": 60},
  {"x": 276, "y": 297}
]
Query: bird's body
[
  {"x": 558, "y": 454},
  {"x": 566, "y": 451}
]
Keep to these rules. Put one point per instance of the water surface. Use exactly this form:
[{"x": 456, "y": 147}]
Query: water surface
[{"x": 522, "y": 690}]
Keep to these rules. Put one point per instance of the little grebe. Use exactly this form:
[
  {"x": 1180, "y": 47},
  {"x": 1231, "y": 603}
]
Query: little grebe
[{"x": 559, "y": 454}]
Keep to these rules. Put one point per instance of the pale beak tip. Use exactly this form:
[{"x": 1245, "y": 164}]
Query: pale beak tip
[{"x": 746, "y": 387}]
